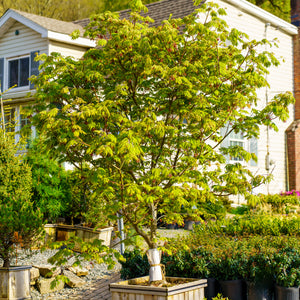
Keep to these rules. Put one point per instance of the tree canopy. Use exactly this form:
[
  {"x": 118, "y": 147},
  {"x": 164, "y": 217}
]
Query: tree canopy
[{"x": 147, "y": 109}]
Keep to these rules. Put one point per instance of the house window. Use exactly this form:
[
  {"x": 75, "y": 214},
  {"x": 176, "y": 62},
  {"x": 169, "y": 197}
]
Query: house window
[
  {"x": 9, "y": 118},
  {"x": 18, "y": 72},
  {"x": 236, "y": 139},
  {"x": 23, "y": 121}
]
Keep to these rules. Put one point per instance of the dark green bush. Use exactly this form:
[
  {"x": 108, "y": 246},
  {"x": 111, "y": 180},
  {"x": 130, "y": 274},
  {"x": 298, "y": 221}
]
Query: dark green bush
[
  {"x": 252, "y": 225},
  {"x": 180, "y": 264},
  {"x": 253, "y": 258},
  {"x": 286, "y": 267},
  {"x": 280, "y": 203},
  {"x": 214, "y": 210},
  {"x": 135, "y": 264},
  {"x": 188, "y": 264},
  {"x": 240, "y": 210},
  {"x": 51, "y": 191}
]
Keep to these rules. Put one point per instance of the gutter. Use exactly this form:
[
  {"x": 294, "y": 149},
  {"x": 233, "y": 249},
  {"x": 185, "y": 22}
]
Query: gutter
[
  {"x": 60, "y": 37},
  {"x": 260, "y": 13}
]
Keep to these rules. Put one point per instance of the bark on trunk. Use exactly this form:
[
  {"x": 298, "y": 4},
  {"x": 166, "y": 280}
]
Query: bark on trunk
[{"x": 6, "y": 263}]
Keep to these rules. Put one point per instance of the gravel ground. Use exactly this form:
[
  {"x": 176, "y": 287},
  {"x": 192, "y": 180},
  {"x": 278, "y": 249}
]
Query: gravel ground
[
  {"x": 96, "y": 271},
  {"x": 35, "y": 257}
]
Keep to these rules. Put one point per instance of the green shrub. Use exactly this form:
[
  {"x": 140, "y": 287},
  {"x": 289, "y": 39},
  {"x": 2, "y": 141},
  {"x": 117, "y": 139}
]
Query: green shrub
[
  {"x": 240, "y": 210},
  {"x": 51, "y": 191},
  {"x": 220, "y": 297},
  {"x": 188, "y": 264},
  {"x": 214, "y": 210},
  {"x": 253, "y": 258},
  {"x": 286, "y": 267},
  {"x": 280, "y": 203},
  {"x": 135, "y": 264},
  {"x": 252, "y": 225},
  {"x": 183, "y": 263},
  {"x": 21, "y": 223}
]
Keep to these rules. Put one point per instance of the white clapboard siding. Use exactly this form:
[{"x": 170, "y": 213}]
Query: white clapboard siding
[
  {"x": 280, "y": 79},
  {"x": 66, "y": 49},
  {"x": 26, "y": 41}
]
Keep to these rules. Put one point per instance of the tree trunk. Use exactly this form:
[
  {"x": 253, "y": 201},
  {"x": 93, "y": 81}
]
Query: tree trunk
[
  {"x": 6, "y": 258},
  {"x": 6, "y": 262},
  {"x": 155, "y": 272}
]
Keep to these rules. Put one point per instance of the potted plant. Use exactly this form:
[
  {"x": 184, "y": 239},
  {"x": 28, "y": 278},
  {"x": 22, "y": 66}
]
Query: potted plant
[
  {"x": 145, "y": 112},
  {"x": 94, "y": 222},
  {"x": 20, "y": 222},
  {"x": 228, "y": 264},
  {"x": 286, "y": 268},
  {"x": 258, "y": 274}
]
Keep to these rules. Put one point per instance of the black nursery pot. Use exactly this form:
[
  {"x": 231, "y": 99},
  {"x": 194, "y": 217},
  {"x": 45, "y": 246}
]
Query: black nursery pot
[
  {"x": 172, "y": 226},
  {"x": 212, "y": 289},
  {"x": 257, "y": 291},
  {"x": 233, "y": 289},
  {"x": 286, "y": 293},
  {"x": 188, "y": 225}
]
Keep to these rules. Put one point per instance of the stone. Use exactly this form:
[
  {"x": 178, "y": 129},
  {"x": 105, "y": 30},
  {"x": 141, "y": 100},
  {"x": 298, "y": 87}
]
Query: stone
[
  {"x": 44, "y": 285},
  {"x": 34, "y": 275},
  {"x": 73, "y": 280},
  {"x": 79, "y": 271},
  {"x": 48, "y": 271}
]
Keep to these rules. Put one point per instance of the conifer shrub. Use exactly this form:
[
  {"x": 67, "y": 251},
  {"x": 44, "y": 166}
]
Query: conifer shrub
[
  {"x": 20, "y": 222},
  {"x": 51, "y": 185}
]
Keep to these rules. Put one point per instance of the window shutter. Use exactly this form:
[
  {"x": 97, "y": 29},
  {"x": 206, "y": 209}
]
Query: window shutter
[
  {"x": 253, "y": 149},
  {"x": 34, "y": 66},
  {"x": 225, "y": 142},
  {"x": 2, "y": 74}
]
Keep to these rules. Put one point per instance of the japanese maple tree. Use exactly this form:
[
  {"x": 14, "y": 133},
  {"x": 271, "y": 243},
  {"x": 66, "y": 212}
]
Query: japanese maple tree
[{"x": 147, "y": 110}]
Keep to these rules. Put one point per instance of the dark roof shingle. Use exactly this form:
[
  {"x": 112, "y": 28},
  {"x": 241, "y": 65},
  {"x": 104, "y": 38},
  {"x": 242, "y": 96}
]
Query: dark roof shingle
[
  {"x": 51, "y": 24},
  {"x": 158, "y": 11}
]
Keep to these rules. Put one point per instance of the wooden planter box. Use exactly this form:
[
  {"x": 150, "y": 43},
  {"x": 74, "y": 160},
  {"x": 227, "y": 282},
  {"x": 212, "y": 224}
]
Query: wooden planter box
[
  {"x": 50, "y": 232},
  {"x": 129, "y": 289},
  {"x": 15, "y": 283},
  {"x": 64, "y": 232},
  {"x": 89, "y": 234},
  {"x": 57, "y": 232}
]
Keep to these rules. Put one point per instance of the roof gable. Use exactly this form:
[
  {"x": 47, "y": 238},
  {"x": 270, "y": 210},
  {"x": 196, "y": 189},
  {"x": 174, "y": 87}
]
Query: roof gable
[{"x": 48, "y": 28}]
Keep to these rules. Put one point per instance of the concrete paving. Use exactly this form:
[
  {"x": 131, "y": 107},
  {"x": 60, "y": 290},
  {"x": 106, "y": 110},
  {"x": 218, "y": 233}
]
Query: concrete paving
[{"x": 97, "y": 289}]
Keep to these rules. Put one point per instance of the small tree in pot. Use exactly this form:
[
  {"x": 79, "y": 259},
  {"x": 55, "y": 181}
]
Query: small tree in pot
[
  {"x": 148, "y": 110},
  {"x": 20, "y": 222}
]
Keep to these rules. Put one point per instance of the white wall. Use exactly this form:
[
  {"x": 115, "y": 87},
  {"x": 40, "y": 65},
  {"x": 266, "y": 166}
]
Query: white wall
[
  {"x": 280, "y": 80},
  {"x": 66, "y": 49},
  {"x": 13, "y": 46}
]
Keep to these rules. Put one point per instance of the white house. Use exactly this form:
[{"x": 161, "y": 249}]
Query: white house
[
  {"x": 22, "y": 35},
  {"x": 271, "y": 147}
]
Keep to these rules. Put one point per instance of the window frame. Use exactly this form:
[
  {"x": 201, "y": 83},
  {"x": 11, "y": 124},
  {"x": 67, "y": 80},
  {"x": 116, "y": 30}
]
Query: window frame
[
  {"x": 7, "y": 77},
  {"x": 241, "y": 140}
]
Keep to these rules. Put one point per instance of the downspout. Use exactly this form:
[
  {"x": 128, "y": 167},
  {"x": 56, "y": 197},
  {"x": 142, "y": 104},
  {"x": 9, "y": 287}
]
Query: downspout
[
  {"x": 287, "y": 184},
  {"x": 267, "y": 160},
  {"x": 2, "y": 113}
]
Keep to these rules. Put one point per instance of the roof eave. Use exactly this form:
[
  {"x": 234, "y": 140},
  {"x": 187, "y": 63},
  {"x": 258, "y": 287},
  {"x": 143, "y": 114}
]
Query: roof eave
[
  {"x": 60, "y": 37},
  {"x": 264, "y": 15}
]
